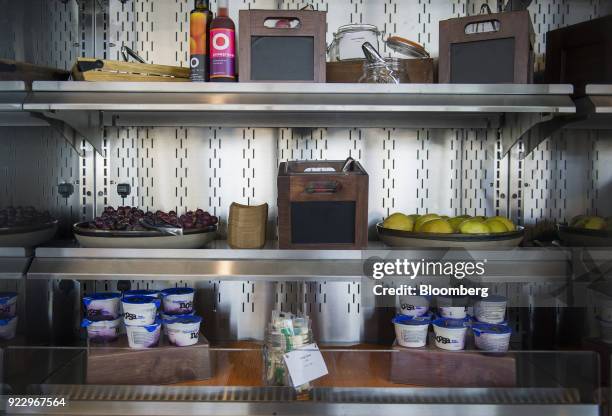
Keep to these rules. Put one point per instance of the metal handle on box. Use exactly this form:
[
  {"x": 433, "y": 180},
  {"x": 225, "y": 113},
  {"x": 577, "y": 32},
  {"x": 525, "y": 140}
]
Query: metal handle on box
[{"x": 327, "y": 187}]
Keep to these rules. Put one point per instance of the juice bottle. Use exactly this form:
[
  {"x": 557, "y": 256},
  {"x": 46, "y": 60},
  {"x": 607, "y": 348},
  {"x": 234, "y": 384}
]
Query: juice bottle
[
  {"x": 222, "y": 46},
  {"x": 199, "y": 27}
]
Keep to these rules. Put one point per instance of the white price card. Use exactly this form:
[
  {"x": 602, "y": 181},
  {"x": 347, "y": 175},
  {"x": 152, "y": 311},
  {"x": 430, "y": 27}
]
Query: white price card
[{"x": 305, "y": 364}]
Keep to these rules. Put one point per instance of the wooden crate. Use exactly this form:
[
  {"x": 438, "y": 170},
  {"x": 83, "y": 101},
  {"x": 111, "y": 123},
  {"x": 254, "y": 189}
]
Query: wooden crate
[
  {"x": 165, "y": 364},
  {"x": 433, "y": 367},
  {"x": 504, "y": 55},
  {"x": 282, "y": 54},
  {"x": 90, "y": 69},
  {"x": 417, "y": 71},
  {"x": 322, "y": 210}
]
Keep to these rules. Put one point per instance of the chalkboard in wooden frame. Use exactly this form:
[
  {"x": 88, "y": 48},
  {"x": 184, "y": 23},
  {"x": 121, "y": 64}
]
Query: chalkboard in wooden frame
[
  {"x": 282, "y": 53},
  {"x": 503, "y": 53}
]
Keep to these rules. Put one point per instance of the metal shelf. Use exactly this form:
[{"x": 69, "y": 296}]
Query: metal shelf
[
  {"x": 191, "y": 400},
  {"x": 88, "y": 107},
  {"x": 270, "y": 264},
  {"x": 12, "y": 97},
  {"x": 14, "y": 262},
  {"x": 595, "y": 108}
]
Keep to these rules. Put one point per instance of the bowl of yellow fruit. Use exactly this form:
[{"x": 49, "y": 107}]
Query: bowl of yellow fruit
[
  {"x": 587, "y": 231},
  {"x": 464, "y": 231}
]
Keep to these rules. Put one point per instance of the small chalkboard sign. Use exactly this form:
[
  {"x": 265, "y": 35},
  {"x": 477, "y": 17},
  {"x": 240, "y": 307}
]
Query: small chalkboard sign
[
  {"x": 282, "y": 45},
  {"x": 323, "y": 222}
]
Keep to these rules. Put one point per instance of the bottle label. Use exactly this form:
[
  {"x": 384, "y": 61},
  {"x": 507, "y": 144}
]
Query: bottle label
[
  {"x": 222, "y": 53},
  {"x": 198, "y": 61}
]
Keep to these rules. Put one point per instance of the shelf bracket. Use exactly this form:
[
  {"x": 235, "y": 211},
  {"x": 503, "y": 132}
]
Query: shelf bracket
[
  {"x": 531, "y": 128},
  {"x": 87, "y": 124}
]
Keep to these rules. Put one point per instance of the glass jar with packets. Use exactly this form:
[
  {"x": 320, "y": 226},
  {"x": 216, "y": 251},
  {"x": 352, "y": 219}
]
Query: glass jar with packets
[{"x": 285, "y": 333}]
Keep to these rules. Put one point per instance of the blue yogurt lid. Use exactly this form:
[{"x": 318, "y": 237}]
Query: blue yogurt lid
[
  {"x": 450, "y": 323},
  {"x": 140, "y": 293},
  {"x": 183, "y": 319},
  {"x": 482, "y": 328},
  {"x": 6, "y": 321},
  {"x": 6, "y": 296},
  {"x": 411, "y": 320},
  {"x": 140, "y": 300},
  {"x": 177, "y": 291},
  {"x": 153, "y": 327}
]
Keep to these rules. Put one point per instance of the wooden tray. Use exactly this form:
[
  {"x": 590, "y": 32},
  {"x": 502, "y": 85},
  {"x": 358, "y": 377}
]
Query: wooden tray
[
  {"x": 117, "y": 364},
  {"x": 397, "y": 238},
  {"x": 433, "y": 367},
  {"x": 419, "y": 71},
  {"x": 90, "y": 69},
  {"x": 581, "y": 237},
  {"x": 93, "y": 238}
]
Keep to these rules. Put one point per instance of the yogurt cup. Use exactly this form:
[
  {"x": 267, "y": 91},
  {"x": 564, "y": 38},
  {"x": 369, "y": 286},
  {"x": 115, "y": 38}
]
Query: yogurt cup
[
  {"x": 413, "y": 305},
  {"x": 491, "y": 337},
  {"x": 453, "y": 312},
  {"x": 8, "y": 328},
  {"x": 450, "y": 333},
  {"x": 183, "y": 330},
  {"x": 140, "y": 310},
  {"x": 491, "y": 310},
  {"x": 410, "y": 331},
  {"x": 144, "y": 292},
  {"x": 8, "y": 304},
  {"x": 143, "y": 336},
  {"x": 103, "y": 306},
  {"x": 102, "y": 331},
  {"x": 451, "y": 301},
  {"x": 452, "y": 307},
  {"x": 178, "y": 300},
  {"x": 164, "y": 317}
]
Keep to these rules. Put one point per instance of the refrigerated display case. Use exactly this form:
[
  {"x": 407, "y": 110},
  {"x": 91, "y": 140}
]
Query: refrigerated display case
[
  {"x": 535, "y": 153},
  {"x": 546, "y": 383}
]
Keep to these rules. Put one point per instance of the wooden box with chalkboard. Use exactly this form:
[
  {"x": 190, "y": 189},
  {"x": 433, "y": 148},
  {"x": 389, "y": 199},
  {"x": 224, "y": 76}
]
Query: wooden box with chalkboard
[
  {"x": 492, "y": 48},
  {"x": 322, "y": 206},
  {"x": 282, "y": 46}
]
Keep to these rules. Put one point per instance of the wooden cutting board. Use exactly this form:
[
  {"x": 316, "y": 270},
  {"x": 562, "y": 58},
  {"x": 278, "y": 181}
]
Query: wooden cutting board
[{"x": 91, "y": 69}]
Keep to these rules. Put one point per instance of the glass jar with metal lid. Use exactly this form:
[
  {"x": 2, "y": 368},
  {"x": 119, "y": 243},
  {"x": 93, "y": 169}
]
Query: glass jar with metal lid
[{"x": 348, "y": 40}]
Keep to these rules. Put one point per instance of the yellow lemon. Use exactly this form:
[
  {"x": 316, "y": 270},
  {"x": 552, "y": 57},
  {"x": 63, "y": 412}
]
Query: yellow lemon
[
  {"x": 423, "y": 219},
  {"x": 509, "y": 224},
  {"x": 474, "y": 226},
  {"x": 398, "y": 221},
  {"x": 594, "y": 223},
  {"x": 455, "y": 222},
  {"x": 439, "y": 226},
  {"x": 496, "y": 226}
]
